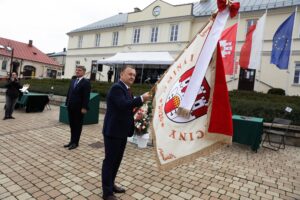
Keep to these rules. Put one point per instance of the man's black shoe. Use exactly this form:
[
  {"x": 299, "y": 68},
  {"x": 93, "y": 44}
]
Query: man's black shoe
[
  {"x": 110, "y": 197},
  {"x": 11, "y": 117},
  {"x": 117, "y": 189},
  {"x": 73, "y": 146},
  {"x": 67, "y": 145},
  {"x": 5, "y": 118}
]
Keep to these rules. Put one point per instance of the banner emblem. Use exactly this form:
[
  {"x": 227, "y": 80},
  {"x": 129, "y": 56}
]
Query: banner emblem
[{"x": 176, "y": 94}]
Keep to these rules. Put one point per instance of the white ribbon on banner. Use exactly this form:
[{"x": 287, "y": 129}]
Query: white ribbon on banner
[{"x": 202, "y": 64}]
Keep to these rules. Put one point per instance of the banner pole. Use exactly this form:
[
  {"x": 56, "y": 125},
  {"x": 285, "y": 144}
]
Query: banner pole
[
  {"x": 261, "y": 57},
  {"x": 235, "y": 66},
  {"x": 291, "y": 53}
]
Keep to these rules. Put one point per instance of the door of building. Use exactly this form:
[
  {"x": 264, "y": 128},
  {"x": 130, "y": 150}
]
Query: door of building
[{"x": 246, "y": 79}]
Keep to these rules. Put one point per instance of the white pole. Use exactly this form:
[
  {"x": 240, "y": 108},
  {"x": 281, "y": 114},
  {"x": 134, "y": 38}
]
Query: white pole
[
  {"x": 291, "y": 54},
  {"x": 142, "y": 74},
  {"x": 261, "y": 56},
  {"x": 234, "y": 61}
]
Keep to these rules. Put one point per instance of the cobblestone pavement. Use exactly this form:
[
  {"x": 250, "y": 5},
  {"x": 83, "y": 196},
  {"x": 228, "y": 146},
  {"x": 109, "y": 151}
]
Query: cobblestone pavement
[{"x": 34, "y": 165}]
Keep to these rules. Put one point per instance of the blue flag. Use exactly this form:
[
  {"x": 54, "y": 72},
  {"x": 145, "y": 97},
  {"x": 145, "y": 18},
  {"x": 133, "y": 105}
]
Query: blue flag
[{"x": 282, "y": 43}]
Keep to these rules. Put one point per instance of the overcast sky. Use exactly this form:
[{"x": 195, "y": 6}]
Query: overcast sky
[{"x": 47, "y": 22}]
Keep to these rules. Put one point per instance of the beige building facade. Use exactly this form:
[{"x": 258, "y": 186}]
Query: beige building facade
[{"x": 163, "y": 27}]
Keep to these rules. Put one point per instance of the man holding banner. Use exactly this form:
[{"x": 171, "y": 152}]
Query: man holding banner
[{"x": 118, "y": 125}]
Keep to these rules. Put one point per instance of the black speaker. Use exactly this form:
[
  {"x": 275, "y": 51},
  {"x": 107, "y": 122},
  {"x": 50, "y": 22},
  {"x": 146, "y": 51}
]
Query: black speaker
[{"x": 100, "y": 67}]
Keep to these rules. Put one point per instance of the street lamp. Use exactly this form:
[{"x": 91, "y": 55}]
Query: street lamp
[{"x": 9, "y": 49}]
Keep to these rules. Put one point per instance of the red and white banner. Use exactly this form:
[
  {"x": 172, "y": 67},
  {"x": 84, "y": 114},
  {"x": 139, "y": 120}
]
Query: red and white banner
[
  {"x": 203, "y": 59},
  {"x": 227, "y": 43},
  {"x": 178, "y": 139},
  {"x": 250, "y": 56}
]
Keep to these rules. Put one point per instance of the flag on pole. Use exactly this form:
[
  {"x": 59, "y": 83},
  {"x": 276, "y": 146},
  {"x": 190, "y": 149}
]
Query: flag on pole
[
  {"x": 179, "y": 139},
  {"x": 250, "y": 56},
  {"x": 282, "y": 43},
  {"x": 227, "y": 43},
  {"x": 246, "y": 48}
]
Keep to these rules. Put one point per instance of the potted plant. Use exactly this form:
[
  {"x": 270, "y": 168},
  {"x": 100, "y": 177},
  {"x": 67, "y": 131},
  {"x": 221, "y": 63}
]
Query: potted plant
[{"x": 142, "y": 118}]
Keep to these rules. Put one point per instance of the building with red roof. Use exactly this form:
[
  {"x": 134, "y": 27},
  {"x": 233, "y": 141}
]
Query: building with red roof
[{"x": 27, "y": 60}]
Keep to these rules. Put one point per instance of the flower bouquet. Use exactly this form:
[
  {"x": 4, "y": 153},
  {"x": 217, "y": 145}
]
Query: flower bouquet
[{"x": 142, "y": 118}]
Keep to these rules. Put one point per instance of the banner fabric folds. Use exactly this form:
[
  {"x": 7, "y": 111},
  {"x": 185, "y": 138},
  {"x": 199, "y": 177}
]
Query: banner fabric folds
[
  {"x": 178, "y": 139},
  {"x": 227, "y": 43}
]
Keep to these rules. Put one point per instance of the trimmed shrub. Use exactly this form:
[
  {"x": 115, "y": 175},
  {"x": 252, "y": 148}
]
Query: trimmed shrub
[{"x": 246, "y": 103}]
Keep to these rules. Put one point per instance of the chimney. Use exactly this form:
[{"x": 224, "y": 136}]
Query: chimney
[
  {"x": 65, "y": 50},
  {"x": 30, "y": 43},
  {"x": 136, "y": 9}
]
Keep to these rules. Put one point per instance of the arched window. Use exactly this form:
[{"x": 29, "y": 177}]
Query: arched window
[
  {"x": 29, "y": 71},
  {"x": 4, "y": 64}
]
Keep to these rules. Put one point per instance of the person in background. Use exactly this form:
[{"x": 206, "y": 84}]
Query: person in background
[
  {"x": 77, "y": 104},
  {"x": 110, "y": 74},
  {"x": 12, "y": 93},
  {"x": 118, "y": 125}
]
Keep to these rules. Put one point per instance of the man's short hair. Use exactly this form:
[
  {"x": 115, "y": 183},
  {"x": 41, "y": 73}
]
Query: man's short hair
[
  {"x": 127, "y": 66},
  {"x": 81, "y": 67}
]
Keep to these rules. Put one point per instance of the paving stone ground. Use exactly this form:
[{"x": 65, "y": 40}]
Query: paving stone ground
[{"x": 34, "y": 165}]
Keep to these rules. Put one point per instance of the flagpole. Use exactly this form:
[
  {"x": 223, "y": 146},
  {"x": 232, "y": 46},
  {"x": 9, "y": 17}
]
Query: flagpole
[
  {"x": 291, "y": 53},
  {"x": 261, "y": 56},
  {"x": 234, "y": 61}
]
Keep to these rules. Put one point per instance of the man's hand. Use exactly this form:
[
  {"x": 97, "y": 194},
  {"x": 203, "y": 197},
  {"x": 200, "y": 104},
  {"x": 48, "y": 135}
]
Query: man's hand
[
  {"x": 83, "y": 110},
  {"x": 146, "y": 96}
]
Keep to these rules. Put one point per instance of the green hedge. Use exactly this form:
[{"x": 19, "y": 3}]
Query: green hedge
[
  {"x": 277, "y": 91},
  {"x": 262, "y": 105},
  {"x": 266, "y": 106}
]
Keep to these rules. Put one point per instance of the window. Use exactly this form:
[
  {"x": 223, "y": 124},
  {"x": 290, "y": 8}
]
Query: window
[
  {"x": 250, "y": 22},
  {"x": 154, "y": 33},
  {"x": 115, "y": 38},
  {"x": 51, "y": 73},
  {"x": 174, "y": 33},
  {"x": 77, "y": 62},
  {"x": 80, "y": 39},
  {"x": 136, "y": 35},
  {"x": 97, "y": 40},
  {"x": 4, "y": 64},
  {"x": 297, "y": 74}
]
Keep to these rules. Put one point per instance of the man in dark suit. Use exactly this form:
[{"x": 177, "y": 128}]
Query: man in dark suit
[
  {"x": 118, "y": 125},
  {"x": 77, "y": 103}
]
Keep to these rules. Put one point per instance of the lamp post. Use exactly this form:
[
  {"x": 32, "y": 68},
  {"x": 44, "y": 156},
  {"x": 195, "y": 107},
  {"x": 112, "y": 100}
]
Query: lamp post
[{"x": 11, "y": 59}]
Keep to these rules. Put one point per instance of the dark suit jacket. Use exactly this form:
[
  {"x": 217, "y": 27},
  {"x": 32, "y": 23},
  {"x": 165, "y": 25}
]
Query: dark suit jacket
[
  {"x": 79, "y": 96},
  {"x": 118, "y": 121}
]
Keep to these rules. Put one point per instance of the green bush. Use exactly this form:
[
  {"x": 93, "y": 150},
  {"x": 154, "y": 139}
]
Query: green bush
[
  {"x": 266, "y": 106},
  {"x": 277, "y": 91},
  {"x": 246, "y": 103}
]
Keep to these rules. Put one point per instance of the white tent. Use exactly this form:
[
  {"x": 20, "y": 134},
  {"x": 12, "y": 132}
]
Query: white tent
[{"x": 144, "y": 58}]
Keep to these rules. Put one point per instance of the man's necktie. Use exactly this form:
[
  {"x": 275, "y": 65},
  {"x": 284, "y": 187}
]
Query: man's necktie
[
  {"x": 76, "y": 82},
  {"x": 129, "y": 92}
]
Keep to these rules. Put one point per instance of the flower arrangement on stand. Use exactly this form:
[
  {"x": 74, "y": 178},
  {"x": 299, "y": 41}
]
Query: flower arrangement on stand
[{"x": 142, "y": 119}]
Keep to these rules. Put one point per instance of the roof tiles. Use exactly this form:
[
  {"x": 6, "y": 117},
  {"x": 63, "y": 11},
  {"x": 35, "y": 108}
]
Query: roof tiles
[{"x": 25, "y": 51}]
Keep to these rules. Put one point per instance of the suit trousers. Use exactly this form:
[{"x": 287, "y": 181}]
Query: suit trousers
[
  {"x": 114, "y": 150},
  {"x": 10, "y": 105},
  {"x": 76, "y": 122}
]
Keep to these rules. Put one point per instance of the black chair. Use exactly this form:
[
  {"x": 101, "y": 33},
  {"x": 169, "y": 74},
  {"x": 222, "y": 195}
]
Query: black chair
[{"x": 280, "y": 128}]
